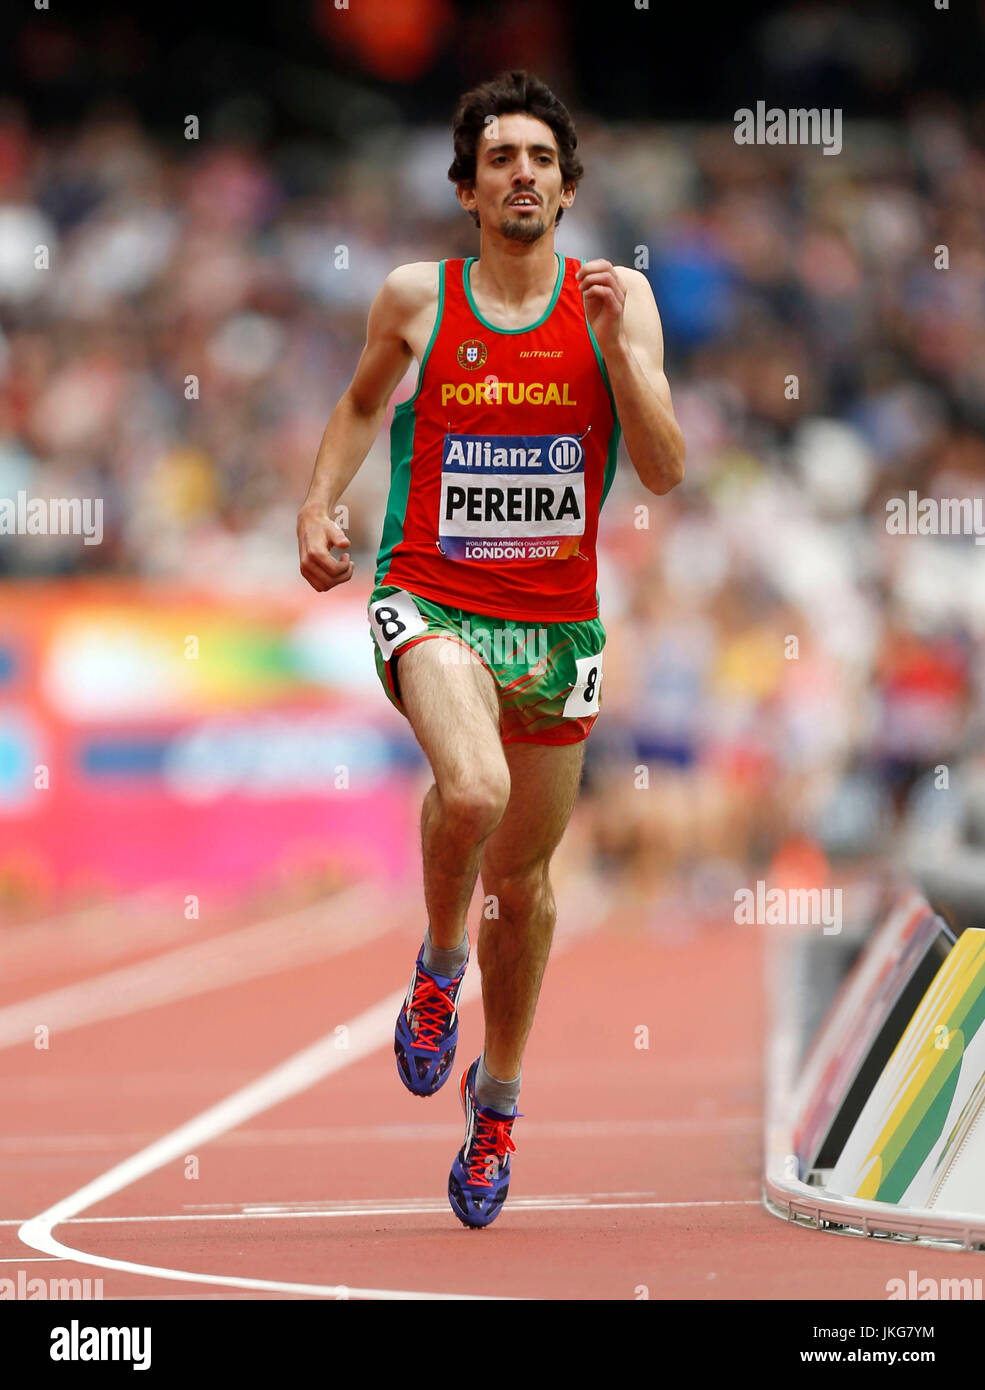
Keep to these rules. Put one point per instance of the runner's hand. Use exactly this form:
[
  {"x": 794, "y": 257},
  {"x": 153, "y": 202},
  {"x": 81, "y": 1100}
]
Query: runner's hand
[
  {"x": 605, "y": 299},
  {"x": 317, "y": 535}
]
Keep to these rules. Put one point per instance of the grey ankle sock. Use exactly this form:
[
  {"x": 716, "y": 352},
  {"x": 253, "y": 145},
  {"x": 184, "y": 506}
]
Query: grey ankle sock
[
  {"x": 446, "y": 963},
  {"x": 501, "y": 1096}
]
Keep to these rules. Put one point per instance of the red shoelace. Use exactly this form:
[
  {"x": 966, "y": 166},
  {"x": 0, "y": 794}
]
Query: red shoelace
[
  {"x": 433, "y": 1007},
  {"x": 491, "y": 1145}
]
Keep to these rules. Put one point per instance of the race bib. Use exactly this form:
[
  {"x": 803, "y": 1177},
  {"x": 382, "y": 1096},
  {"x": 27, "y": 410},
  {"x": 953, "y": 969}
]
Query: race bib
[
  {"x": 586, "y": 693},
  {"x": 511, "y": 497},
  {"x": 394, "y": 620}
]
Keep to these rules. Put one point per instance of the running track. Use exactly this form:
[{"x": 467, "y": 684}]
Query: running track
[{"x": 262, "y": 1048}]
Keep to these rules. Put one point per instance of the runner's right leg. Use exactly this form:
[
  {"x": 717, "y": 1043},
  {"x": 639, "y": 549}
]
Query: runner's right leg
[{"x": 451, "y": 702}]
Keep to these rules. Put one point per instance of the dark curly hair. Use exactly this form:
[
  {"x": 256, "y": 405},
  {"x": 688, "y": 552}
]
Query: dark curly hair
[{"x": 509, "y": 93}]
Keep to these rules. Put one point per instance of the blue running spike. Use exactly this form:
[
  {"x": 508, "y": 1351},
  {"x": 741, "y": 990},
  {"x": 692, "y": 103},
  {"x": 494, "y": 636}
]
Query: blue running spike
[
  {"x": 480, "y": 1176},
  {"x": 426, "y": 1034}
]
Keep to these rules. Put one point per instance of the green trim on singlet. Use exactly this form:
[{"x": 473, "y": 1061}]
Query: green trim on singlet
[
  {"x": 405, "y": 405},
  {"x": 402, "y": 451},
  {"x": 493, "y": 328},
  {"x": 610, "y": 461},
  {"x": 616, "y": 435}
]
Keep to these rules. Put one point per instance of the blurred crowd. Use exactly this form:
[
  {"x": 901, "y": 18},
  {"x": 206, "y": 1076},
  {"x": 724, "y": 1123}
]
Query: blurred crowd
[{"x": 778, "y": 661}]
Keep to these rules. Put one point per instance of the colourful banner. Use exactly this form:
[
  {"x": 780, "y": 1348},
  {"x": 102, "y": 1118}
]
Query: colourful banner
[{"x": 151, "y": 735}]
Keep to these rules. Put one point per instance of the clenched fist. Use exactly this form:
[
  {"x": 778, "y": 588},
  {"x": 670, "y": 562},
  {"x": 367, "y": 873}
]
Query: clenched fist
[
  {"x": 318, "y": 535},
  {"x": 605, "y": 300}
]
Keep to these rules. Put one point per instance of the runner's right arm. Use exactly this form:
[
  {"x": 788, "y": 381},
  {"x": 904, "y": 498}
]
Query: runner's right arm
[{"x": 405, "y": 296}]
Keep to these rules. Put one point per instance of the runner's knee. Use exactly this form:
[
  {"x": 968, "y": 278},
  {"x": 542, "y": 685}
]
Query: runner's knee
[{"x": 478, "y": 803}]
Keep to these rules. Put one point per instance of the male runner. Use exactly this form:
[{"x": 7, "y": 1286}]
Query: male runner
[{"x": 530, "y": 363}]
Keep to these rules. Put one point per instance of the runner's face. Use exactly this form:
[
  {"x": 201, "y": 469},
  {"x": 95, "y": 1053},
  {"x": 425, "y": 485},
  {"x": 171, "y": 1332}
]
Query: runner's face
[{"x": 518, "y": 186}]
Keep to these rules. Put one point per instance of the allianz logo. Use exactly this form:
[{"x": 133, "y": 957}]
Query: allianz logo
[{"x": 564, "y": 453}]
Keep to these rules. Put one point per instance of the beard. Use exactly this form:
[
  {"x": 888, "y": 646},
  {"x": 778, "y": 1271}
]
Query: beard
[{"x": 523, "y": 228}]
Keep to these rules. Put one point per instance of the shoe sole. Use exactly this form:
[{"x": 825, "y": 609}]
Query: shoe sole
[{"x": 424, "y": 1095}]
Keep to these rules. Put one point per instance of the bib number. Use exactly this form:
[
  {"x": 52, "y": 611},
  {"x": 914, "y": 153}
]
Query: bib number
[
  {"x": 585, "y": 694},
  {"x": 395, "y": 619}
]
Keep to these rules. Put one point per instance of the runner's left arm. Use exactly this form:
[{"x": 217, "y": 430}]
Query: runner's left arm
[{"x": 620, "y": 307}]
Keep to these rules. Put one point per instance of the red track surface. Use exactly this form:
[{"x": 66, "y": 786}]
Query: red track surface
[{"x": 661, "y": 1147}]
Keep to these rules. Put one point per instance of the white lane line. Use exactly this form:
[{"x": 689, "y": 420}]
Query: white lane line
[
  {"x": 562, "y": 1130},
  {"x": 366, "y": 1033},
  {"x": 94, "y": 935},
  {"x": 31, "y": 1260},
  {"x": 299, "y": 938},
  {"x": 338, "y": 1203},
  {"x": 178, "y": 1297},
  {"x": 369, "y": 1031},
  {"x": 426, "y": 1205},
  {"x": 425, "y": 1208},
  {"x": 518, "y": 1204},
  {"x": 93, "y": 914}
]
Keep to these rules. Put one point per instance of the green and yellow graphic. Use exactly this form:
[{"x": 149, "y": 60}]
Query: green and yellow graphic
[{"x": 942, "y": 1050}]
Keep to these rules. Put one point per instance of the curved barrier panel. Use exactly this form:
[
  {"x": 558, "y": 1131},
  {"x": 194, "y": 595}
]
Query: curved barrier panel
[
  {"x": 916, "y": 1107},
  {"x": 881, "y": 1130},
  {"x": 862, "y": 1029}
]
